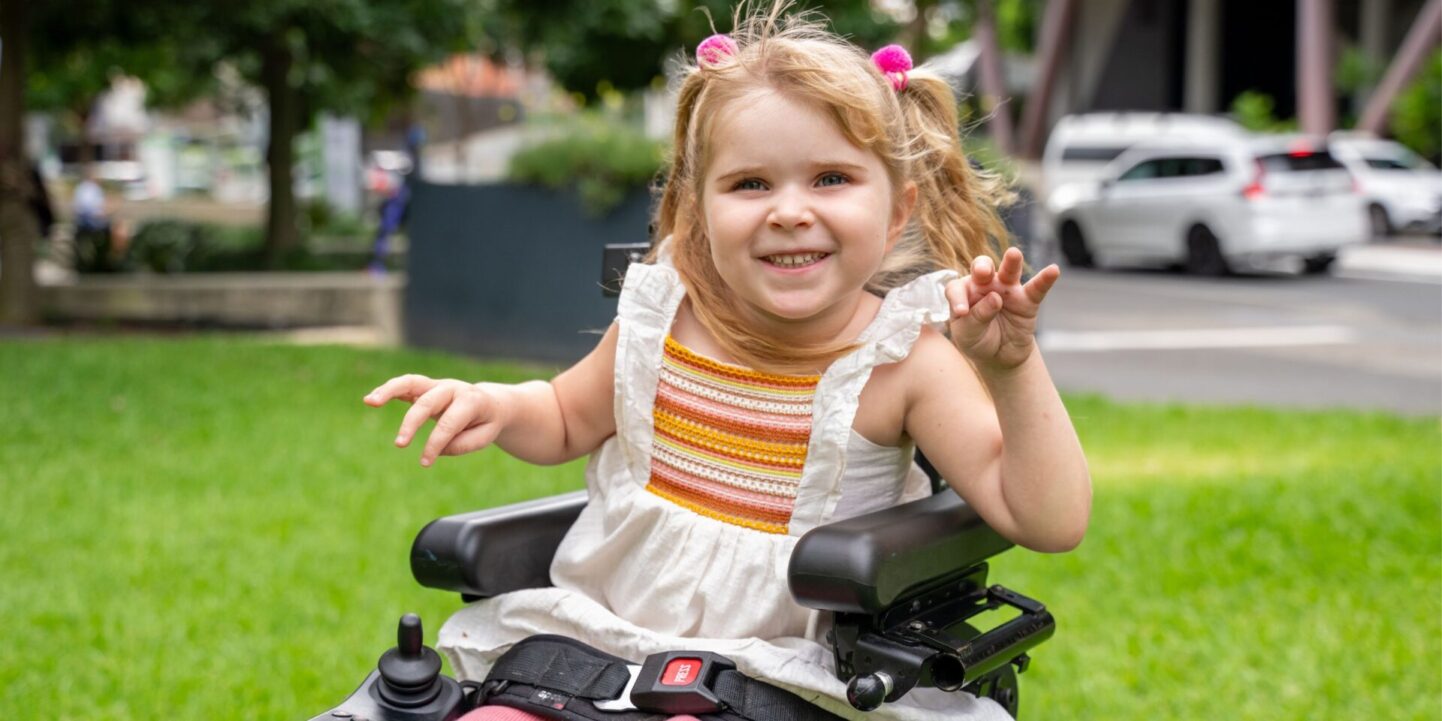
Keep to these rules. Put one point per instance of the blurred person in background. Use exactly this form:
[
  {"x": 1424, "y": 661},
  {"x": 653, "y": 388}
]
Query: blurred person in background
[{"x": 88, "y": 206}]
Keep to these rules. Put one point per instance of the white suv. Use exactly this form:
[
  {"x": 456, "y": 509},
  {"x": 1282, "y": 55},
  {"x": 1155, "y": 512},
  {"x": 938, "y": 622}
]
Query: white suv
[
  {"x": 1081, "y": 148},
  {"x": 1403, "y": 191},
  {"x": 1216, "y": 204}
]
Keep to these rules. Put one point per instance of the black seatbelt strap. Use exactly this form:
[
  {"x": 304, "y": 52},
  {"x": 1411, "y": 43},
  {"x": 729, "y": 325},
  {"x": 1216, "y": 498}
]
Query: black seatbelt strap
[{"x": 550, "y": 674}]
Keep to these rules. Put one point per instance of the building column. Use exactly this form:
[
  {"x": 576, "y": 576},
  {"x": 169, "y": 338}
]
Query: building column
[
  {"x": 1204, "y": 18},
  {"x": 1373, "y": 23},
  {"x": 1316, "y": 98},
  {"x": 1423, "y": 36},
  {"x": 993, "y": 87},
  {"x": 1055, "y": 35}
]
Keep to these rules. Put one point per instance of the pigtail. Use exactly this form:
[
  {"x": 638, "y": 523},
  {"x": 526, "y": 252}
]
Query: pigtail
[
  {"x": 955, "y": 219},
  {"x": 678, "y": 173}
]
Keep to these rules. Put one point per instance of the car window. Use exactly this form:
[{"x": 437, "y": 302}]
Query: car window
[
  {"x": 1092, "y": 153},
  {"x": 1201, "y": 166},
  {"x": 1144, "y": 170},
  {"x": 1299, "y": 162},
  {"x": 1173, "y": 167},
  {"x": 1387, "y": 163}
]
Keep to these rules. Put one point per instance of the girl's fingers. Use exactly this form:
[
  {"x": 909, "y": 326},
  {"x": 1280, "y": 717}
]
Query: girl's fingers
[
  {"x": 469, "y": 410},
  {"x": 958, "y": 297},
  {"x": 463, "y": 411},
  {"x": 1041, "y": 283},
  {"x": 1012, "y": 264},
  {"x": 472, "y": 439},
  {"x": 981, "y": 270},
  {"x": 985, "y": 310},
  {"x": 406, "y": 387},
  {"x": 970, "y": 327},
  {"x": 428, "y": 405}
]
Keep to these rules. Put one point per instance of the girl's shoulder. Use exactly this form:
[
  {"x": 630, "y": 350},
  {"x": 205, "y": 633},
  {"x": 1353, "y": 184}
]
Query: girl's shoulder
[
  {"x": 933, "y": 359},
  {"x": 931, "y": 368}
]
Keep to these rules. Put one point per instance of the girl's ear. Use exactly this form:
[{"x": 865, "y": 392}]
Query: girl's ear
[{"x": 900, "y": 214}]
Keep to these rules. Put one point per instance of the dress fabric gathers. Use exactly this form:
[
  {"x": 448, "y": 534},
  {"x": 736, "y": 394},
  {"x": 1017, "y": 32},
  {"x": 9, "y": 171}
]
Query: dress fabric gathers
[
  {"x": 730, "y": 442},
  {"x": 697, "y": 501}
]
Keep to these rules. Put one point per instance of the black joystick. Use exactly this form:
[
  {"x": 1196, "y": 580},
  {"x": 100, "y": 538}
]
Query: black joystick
[
  {"x": 867, "y": 692},
  {"x": 409, "y": 672},
  {"x": 407, "y": 685}
]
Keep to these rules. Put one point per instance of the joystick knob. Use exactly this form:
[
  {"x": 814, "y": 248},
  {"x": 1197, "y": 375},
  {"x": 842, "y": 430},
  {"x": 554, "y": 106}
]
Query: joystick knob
[
  {"x": 867, "y": 692},
  {"x": 409, "y": 672}
]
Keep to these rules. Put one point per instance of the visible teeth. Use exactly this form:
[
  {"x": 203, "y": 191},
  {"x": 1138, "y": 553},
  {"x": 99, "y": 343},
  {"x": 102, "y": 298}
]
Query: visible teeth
[{"x": 795, "y": 261}]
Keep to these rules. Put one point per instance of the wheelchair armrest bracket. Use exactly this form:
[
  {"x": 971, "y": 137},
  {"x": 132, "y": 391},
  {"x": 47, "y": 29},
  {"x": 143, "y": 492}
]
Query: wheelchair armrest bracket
[{"x": 926, "y": 640}]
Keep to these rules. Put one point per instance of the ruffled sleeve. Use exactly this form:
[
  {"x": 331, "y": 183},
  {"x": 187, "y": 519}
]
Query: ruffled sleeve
[
  {"x": 888, "y": 339},
  {"x": 650, "y": 296}
]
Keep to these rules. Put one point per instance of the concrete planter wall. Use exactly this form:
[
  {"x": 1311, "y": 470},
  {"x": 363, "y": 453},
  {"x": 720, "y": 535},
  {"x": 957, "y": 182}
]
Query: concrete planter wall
[
  {"x": 263, "y": 300},
  {"x": 503, "y": 271}
]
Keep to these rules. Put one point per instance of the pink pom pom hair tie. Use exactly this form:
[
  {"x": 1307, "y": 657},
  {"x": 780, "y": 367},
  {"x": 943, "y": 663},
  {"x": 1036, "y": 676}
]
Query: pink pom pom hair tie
[
  {"x": 894, "y": 62},
  {"x": 715, "y": 50}
]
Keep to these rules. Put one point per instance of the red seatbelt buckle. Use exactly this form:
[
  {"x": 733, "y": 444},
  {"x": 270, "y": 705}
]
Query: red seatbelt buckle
[{"x": 680, "y": 682}]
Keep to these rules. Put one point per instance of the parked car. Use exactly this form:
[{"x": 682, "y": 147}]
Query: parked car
[
  {"x": 1403, "y": 192},
  {"x": 1213, "y": 205},
  {"x": 1080, "y": 148}
]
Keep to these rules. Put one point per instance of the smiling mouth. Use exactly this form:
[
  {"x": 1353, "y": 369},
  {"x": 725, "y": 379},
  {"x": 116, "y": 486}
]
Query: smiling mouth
[{"x": 795, "y": 260}]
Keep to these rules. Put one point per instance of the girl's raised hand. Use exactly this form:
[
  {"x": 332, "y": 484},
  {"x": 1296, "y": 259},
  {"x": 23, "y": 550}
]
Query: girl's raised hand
[
  {"x": 468, "y": 418},
  {"x": 993, "y": 316}
]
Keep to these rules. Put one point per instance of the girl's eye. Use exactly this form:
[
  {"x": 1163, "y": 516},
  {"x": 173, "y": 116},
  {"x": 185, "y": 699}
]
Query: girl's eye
[
  {"x": 832, "y": 179},
  {"x": 749, "y": 184}
]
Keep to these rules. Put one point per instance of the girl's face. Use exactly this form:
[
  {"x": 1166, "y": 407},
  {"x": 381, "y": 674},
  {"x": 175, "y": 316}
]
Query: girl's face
[{"x": 798, "y": 217}]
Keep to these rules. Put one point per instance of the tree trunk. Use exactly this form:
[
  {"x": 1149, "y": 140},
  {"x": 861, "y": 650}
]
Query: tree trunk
[
  {"x": 281, "y": 233},
  {"x": 913, "y": 34},
  {"x": 19, "y": 231}
]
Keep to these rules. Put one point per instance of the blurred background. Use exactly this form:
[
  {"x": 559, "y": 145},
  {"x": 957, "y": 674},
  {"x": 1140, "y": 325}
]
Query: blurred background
[
  {"x": 219, "y": 219},
  {"x": 174, "y": 166}
]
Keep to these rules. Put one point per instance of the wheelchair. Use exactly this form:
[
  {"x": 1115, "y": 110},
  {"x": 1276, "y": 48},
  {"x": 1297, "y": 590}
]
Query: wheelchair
[{"x": 906, "y": 587}]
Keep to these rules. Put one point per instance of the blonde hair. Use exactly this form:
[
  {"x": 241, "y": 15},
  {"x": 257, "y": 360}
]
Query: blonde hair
[{"x": 913, "y": 131}]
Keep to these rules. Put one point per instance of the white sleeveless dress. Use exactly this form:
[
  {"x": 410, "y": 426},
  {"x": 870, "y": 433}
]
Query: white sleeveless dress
[{"x": 639, "y": 574}]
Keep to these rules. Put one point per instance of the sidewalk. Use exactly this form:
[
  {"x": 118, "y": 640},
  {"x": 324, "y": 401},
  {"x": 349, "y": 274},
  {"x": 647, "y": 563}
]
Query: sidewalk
[{"x": 1411, "y": 258}]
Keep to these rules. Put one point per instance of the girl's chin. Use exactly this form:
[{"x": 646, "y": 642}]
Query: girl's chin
[{"x": 796, "y": 310}]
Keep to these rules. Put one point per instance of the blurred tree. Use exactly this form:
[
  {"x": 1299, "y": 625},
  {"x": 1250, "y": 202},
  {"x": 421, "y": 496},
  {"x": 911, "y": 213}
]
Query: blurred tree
[
  {"x": 81, "y": 48},
  {"x": 930, "y": 27},
  {"x": 348, "y": 56},
  {"x": 60, "y": 56},
  {"x": 589, "y": 46},
  {"x": 19, "y": 231}
]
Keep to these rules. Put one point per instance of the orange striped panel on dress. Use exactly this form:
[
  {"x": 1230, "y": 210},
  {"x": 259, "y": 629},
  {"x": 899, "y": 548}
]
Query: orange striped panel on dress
[{"x": 729, "y": 442}]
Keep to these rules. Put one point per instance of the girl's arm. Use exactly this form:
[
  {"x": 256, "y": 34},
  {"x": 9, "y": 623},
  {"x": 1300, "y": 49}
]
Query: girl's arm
[
  {"x": 537, "y": 421},
  {"x": 996, "y": 428}
]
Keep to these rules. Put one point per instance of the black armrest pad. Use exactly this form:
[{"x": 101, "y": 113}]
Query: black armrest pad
[
  {"x": 486, "y": 553},
  {"x": 864, "y": 564}
]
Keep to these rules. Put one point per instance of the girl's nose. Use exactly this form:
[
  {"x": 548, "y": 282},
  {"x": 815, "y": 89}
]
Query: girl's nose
[{"x": 790, "y": 211}]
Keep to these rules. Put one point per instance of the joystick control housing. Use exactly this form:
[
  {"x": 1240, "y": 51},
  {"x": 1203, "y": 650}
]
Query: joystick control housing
[{"x": 407, "y": 685}]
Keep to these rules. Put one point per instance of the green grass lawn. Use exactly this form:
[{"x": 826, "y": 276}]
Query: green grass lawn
[{"x": 219, "y": 528}]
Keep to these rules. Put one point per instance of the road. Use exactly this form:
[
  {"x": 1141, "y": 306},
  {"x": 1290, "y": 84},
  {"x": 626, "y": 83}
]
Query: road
[{"x": 1357, "y": 340}]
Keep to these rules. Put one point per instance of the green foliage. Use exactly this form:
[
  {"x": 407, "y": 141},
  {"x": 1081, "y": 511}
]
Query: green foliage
[
  {"x": 624, "y": 44},
  {"x": 1417, "y": 112},
  {"x": 1016, "y": 24},
  {"x": 219, "y": 528},
  {"x": 175, "y": 246},
  {"x": 74, "y": 53},
  {"x": 598, "y": 155},
  {"x": 939, "y": 25},
  {"x": 1253, "y": 110},
  {"x": 1355, "y": 70}
]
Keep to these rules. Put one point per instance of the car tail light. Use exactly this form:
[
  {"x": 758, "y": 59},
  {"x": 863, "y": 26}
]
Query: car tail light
[{"x": 1254, "y": 189}]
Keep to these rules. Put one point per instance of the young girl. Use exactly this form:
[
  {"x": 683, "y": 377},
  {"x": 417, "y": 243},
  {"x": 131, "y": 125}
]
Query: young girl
[{"x": 799, "y": 330}]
